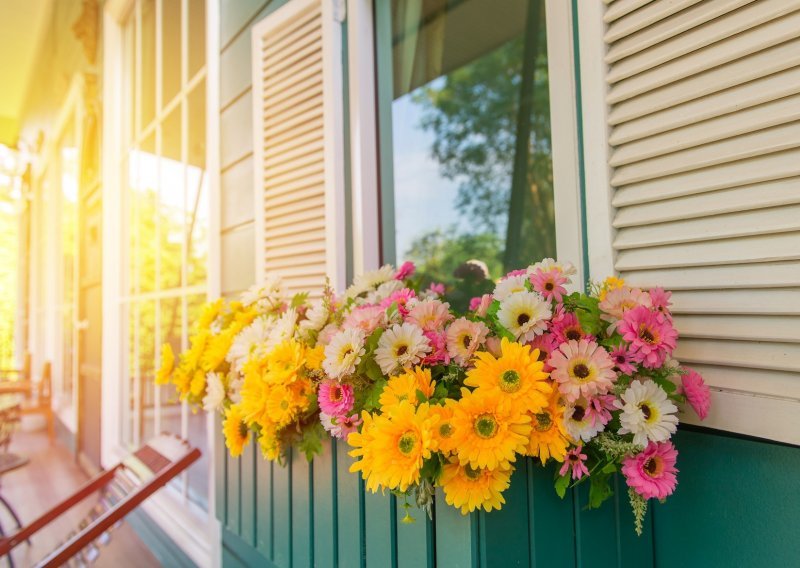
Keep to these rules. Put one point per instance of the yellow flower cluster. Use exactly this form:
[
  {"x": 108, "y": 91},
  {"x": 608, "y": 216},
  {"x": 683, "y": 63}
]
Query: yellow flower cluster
[
  {"x": 278, "y": 390},
  {"x": 511, "y": 410},
  {"x": 213, "y": 335}
]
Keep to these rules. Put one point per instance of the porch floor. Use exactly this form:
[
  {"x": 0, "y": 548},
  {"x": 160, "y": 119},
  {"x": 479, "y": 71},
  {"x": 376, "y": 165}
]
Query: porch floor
[{"x": 51, "y": 476}]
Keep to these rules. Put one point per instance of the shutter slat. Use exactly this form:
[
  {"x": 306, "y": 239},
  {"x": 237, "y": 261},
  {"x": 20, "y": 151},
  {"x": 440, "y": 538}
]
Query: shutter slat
[
  {"x": 737, "y": 276},
  {"x": 739, "y": 327},
  {"x": 774, "y": 383},
  {"x": 746, "y": 121},
  {"x": 751, "y": 301},
  {"x": 736, "y": 98},
  {"x": 670, "y": 27},
  {"x": 291, "y": 149},
  {"x": 696, "y": 39},
  {"x": 746, "y": 198},
  {"x": 645, "y": 16},
  {"x": 750, "y": 354},
  {"x": 622, "y": 8},
  {"x": 761, "y": 64},
  {"x": 732, "y": 174},
  {"x": 784, "y": 246},
  {"x": 740, "y": 224}
]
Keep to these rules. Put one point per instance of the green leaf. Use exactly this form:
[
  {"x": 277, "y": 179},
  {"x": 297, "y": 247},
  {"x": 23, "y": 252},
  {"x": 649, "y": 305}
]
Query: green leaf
[
  {"x": 562, "y": 482},
  {"x": 609, "y": 468},
  {"x": 299, "y": 299},
  {"x": 599, "y": 490},
  {"x": 372, "y": 399},
  {"x": 373, "y": 370},
  {"x": 432, "y": 468},
  {"x": 668, "y": 386},
  {"x": 421, "y": 397},
  {"x": 588, "y": 314},
  {"x": 311, "y": 442},
  {"x": 441, "y": 391}
]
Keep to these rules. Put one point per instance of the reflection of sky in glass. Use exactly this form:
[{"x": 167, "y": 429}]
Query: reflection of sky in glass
[
  {"x": 417, "y": 179},
  {"x": 69, "y": 174}
]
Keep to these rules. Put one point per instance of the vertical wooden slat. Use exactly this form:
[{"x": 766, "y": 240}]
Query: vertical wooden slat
[
  {"x": 264, "y": 506},
  {"x": 325, "y": 498},
  {"x": 282, "y": 514},
  {"x": 378, "y": 528},
  {"x": 349, "y": 516},
  {"x": 414, "y": 541},
  {"x": 504, "y": 534},
  {"x": 302, "y": 511},
  {"x": 233, "y": 494},
  {"x": 221, "y": 472},
  {"x": 453, "y": 540},
  {"x": 550, "y": 519},
  {"x": 247, "y": 514}
]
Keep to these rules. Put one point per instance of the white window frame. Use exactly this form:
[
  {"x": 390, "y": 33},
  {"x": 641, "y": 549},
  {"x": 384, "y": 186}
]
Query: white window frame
[
  {"x": 196, "y": 532},
  {"x": 743, "y": 412},
  {"x": 364, "y": 134}
]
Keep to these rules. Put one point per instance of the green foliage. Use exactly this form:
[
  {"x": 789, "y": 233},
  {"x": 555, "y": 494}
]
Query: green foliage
[
  {"x": 310, "y": 443},
  {"x": 561, "y": 485},
  {"x": 299, "y": 299},
  {"x": 599, "y": 489},
  {"x": 639, "y": 509},
  {"x": 373, "y": 395}
]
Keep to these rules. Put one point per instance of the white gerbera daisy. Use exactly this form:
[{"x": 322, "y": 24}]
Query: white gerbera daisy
[
  {"x": 524, "y": 314},
  {"x": 266, "y": 296},
  {"x": 215, "y": 392},
  {"x": 316, "y": 317},
  {"x": 384, "y": 291},
  {"x": 400, "y": 347},
  {"x": 235, "y": 383},
  {"x": 510, "y": 285},
  {"x": 647, "y": 413},
  {"x": 282, "y": 330},
  {"x": 251, "y": 340},
  {"x": 343, "y": 353},
  {"x": 370, "y": 280},
  {"x": 548, "y": 264},
  {"x": 580, "y": 422}
]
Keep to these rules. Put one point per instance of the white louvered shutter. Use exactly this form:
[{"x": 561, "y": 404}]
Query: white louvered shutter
[
  {"x": 704, "y": 125},
  {"x": 297, "y": 111}
]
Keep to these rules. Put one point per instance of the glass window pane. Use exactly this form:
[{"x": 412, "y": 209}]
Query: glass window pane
[
  {"x": 146, "y": 344},
  {"x": 171, "y": 326},
  {"x": 68, "y": 202},
  {"x": 143, "y": 203},
  {"x": 170, "y": 50},
  {"x": 197, "y": 189},
  {"x": 197, "y": 36},
  {"x": 131, "y": 366},
  {"x": 147, "y": 39},
  {"x": 171, "y": 203},
  {"x": 470, "y": 127},
  {"x": 129, "y": 78}
]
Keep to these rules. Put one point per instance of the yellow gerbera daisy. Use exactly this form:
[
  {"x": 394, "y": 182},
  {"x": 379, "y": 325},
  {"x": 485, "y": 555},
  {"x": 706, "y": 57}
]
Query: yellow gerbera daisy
[
  {"x": 549, "y": 438},
  {"x": 517, "y": 374},
  {"x": 405, "y": 387},
  {"x": 254, "y": 393},
  {"x": 182, "y": 380},
  {"x": 314, "y": 357},
  {"x": 191, "y": 358},
  {"x": 198, "y": 384},
  {"x": 210, "y": 312},
  {"x": 270, "y": 442},
  {"x": 167, "y": 365},
  {"x": 285, "y": 360},
  {"x": 443, "y": 432},
  {"x": 216, "y": 350},
  {"x": 396, "y": 445},
  {"x": 610, "y": 283},
  {"x": 283, "y": 405},
  {"x": 468, "y": 488},
  {"x": 237, "y": 435},
  {"x": 489, "y": 430}
]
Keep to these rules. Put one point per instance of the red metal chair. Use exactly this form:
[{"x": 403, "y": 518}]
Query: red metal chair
[{"x": 121, "y": 489}]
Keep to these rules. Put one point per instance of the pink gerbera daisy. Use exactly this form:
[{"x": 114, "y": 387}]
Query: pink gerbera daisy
[
  {"x": 650, "y": 335},
  {"x": 651, "y": 473},
  {"x": 566, "y": 327},
  {"x": 335, "y": 397},
  {"x": 436, "y": 288},
  {"x": 438, "y": 343},
  {"x": 464, "y": 337},
  {"x": 575, "y": 461},
  {"x": 697, "y": 392},
  {"x": 582, "y": 368},
  {"x": 430, "y": 315},
  {"x": 661, "y": 300},
  {"x": 546, "y": 344},
  {"x": 340, "y": 426},
  {"x": 518, "y": 272},
  {"x": 549, "y": 284},
  {"x": 406, "y": 270},
  {"x": 624, "y": 362},
  {"x": 401, "y": 298},
  {"x": 620, "y": 300},
  {"x": 366, "y": 318}
]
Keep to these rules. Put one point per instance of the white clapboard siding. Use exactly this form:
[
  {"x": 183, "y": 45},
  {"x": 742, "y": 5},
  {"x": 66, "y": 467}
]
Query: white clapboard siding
[
  {"x": 297, "y": 112},
  {"x": 704, "y": 129}
]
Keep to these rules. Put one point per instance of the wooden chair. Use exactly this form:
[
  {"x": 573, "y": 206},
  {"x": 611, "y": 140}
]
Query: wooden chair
[
  {"x": 121, "y": 489},
  {"x": 42, "y": 403}
]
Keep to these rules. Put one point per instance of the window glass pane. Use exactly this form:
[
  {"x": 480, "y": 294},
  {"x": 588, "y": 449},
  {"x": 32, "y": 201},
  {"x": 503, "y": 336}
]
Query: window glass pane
[
  {"x": 68, "y": 182},
  {"x": 129, "y": 78},
  {"x": 131, "y": 367},
  {"x": 197, "y": 36},
  {"x": 470, "y": 127},
  {"x": 197, "y": 189},
  {"x": 146, "y": 344},
  {"x": 143, "y": 201},
  {"x": 171, "y": 326},
  {"x": 170, "y": 50},
  {"x": 171, "y": 202},
  {"x": 147, "y": 39}
]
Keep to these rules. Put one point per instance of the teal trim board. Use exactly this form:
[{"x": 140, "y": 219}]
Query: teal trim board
[{"x": 163, "y": 548}]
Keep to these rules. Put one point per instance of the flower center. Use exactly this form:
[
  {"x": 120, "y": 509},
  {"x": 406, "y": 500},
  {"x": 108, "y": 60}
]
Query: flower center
[
  {"x": 581, "y": 371},
  {"x": 472, "y": 473},
  {"x": 573, "y": 333},
  {"x": 402, "y": 350},
  {"x": 466, "y": 340},
  {"x": 485, "y": 426},
  {"x": 335, "y": 394},
  {"x": 243, "y": 432},
  {"x": 620, "y": 359},
  {"x": 549, "y": 286},
  {"x": 646, "y": 412},
  {"x": 522, "y": 319},
  {"x": 543, "y": 421},
  {"x": 653, "y": 466},
  {"x": 510, "y": 381},
  {"x": 543, "y": 355},
  {"x": 647, "y": 335},
  {"x": 284, "y": 404},
  {"x": 407, "y": 442},
  {"x": 579, "y": 413},
  {"x": 446, "y": 430}
]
